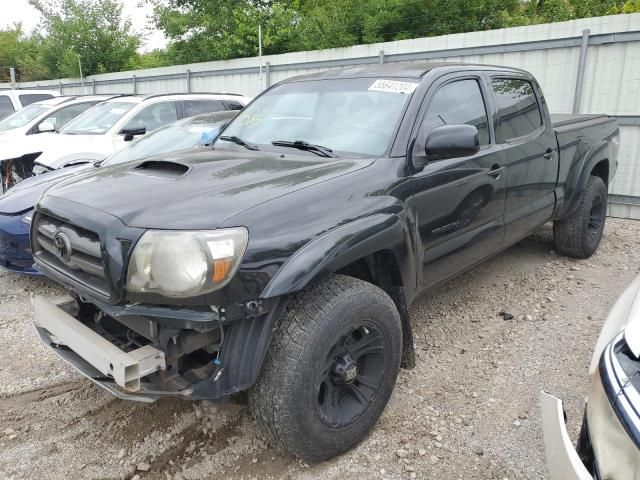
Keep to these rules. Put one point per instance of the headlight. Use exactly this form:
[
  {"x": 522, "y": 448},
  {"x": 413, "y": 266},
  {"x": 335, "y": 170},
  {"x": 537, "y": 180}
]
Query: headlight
[
  {"x": 185, "y": 264},
  {"x": 27, "y": 217}
]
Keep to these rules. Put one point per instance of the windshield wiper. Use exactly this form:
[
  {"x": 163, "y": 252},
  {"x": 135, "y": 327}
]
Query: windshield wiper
[
  {"x": 239, "y": 141},
  {"x": 309, "y": 147}
]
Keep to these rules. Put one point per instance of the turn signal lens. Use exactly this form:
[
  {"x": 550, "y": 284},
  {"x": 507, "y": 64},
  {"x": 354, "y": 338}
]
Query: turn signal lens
[{"x": 221, "y": 269}]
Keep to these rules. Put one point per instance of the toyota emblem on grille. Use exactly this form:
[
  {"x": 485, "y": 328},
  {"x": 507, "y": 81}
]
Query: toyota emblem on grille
[{"x": 62, "y": 245}]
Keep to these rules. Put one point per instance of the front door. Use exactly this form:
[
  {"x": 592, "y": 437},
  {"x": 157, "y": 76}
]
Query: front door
[{"x": 459, "y": 202}]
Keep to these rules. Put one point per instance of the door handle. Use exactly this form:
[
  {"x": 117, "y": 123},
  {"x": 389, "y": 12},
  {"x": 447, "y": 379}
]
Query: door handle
[
  {"x": 495, "y": 172},
  {"x": 548, "y": 154}
]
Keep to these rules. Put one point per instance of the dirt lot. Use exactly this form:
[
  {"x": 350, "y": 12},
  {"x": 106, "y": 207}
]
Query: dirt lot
[{"x": 468, "y": 410}]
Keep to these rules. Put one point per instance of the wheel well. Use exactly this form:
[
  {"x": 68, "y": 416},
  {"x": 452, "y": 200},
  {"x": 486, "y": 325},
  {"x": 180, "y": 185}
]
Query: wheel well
[
  {"x": 382, "y": 269},
  {"x": 379, "y": 268},
  {"x": 602, "y": 170}
]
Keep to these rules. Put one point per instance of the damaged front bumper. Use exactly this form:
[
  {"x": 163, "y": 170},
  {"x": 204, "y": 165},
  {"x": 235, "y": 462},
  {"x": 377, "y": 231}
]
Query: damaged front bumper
[
  {"x": 94, "y": 356},
  {"x": 138, "y": 355}
]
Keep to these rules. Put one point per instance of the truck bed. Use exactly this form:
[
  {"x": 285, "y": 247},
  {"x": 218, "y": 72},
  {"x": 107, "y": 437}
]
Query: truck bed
[
  {"x": 577, "y": 137},
  {"x": 565, "y": 119}
]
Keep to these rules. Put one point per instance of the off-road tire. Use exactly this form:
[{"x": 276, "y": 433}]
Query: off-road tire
[
  {"x": 285, "y": 398},
  {"x": 577, "y": 236}
]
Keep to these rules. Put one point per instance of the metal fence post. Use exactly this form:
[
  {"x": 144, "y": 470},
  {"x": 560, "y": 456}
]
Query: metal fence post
[
  {"x": 135, "y": 84},
  {"x": 381, "y": 57},
  {"x": 93, "y": 85},
  {"x": 267, "y": 75},
  {"x": 188, "y": 76},
  {"x": 581, "y": 66},
  {"x": 61, "y": 88}
]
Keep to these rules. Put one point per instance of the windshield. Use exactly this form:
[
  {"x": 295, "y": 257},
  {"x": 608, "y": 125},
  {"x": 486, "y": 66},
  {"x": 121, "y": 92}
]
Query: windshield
[
  {"x": 177, "y": 136},
  {"x": 356, "y": 116},
  {"x": 22, "y": 117},
  {"x": 98, "y": 119}
]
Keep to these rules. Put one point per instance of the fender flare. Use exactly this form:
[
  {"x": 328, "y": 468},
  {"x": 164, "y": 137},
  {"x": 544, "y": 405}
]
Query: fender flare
[
  {"x": 338, "y": 248},
  {"x": 596, "y": 153},
  {"x": 346, "y": 244}
]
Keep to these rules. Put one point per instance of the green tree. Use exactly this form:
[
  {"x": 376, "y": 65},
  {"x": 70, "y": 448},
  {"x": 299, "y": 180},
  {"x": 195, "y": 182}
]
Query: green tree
[
  {"x": 95, "y": 30},
  {"x": 21, "y": 52},
  {"x": 202, "y": 30}
]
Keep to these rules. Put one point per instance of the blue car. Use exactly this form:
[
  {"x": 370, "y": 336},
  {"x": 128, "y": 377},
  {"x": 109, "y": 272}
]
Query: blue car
[{"x": 16, "y": 206}]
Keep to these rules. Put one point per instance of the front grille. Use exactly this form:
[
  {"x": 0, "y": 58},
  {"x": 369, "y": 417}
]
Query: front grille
[{"x": 70, "y": 250}]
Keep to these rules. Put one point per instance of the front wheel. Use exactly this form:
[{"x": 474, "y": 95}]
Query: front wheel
[
  {"x": 579, "y": 235},
  {"x": 330, "y": 369}
]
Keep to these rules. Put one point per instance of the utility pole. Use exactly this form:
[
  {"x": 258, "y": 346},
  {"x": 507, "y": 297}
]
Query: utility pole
[
  {"x": 80, "y": 67},
  {"x": 260, "y": 52}
]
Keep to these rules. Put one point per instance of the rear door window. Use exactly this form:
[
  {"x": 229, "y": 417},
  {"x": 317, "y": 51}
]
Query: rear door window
[
  {"x": 517, "y": 107},
  {"x": 6, "y": 106},
  {"x": 459, "y": 103},
  {"x": 196, "y": 107},
  {"x": 154, "y": 116},
  {"x": 29, "y": 98}
]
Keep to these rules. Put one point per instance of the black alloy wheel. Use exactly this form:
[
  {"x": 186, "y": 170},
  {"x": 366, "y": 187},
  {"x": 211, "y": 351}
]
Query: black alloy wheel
[{"x": 352, "y": 375}]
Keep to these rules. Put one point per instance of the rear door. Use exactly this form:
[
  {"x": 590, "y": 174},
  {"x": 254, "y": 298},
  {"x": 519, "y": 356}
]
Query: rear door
[
  {"x": 459, "y": 202},
  {"x": 526, "y": 137}
]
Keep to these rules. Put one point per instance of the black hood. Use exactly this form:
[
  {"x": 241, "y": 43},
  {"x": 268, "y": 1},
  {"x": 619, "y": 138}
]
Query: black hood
[{"x": 198, "y": 190}]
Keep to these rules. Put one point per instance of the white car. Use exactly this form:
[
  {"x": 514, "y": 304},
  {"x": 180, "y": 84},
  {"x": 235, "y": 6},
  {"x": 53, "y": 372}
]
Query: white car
[
  {"x": 107, "y": 127},
  {"x": 46, "y": 116},
  {"x": 13, "y": 100},
  {"x": 609, "y": 442}
]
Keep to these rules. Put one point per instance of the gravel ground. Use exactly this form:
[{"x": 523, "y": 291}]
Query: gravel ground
[{"x": 468, "y": 410}]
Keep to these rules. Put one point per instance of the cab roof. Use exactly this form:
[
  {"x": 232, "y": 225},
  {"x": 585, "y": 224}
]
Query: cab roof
[{"x": 400, "y": 70}]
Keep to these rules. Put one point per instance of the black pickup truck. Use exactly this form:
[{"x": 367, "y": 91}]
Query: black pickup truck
[{"x": 283, "y": 260}]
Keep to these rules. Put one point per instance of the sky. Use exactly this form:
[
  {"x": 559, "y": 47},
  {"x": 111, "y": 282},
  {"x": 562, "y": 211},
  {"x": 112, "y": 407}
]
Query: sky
[{"x": 20, "y": 11}]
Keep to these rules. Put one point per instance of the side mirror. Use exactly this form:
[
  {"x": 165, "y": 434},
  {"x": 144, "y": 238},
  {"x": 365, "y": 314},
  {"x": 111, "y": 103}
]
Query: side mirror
[
  {"x": 450, "y": 141},
  {"x": 46, "y": 127},
  {"x": 129, "y": 133}
]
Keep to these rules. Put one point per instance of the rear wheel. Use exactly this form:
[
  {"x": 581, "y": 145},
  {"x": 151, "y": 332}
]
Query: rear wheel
[
  {"x": 579, "y": 235},
  {"x": 331, "y": 368}
]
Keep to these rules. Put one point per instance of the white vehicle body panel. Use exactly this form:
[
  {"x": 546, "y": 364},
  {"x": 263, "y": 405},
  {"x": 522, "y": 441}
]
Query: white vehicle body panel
[
  {"x": 61, "y": 149},
  {"x": 563, "y": 461},
  {"x": 10, "y": 135}
]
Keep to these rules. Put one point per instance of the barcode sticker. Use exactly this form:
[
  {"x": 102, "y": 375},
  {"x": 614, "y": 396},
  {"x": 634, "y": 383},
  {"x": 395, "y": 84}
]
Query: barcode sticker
[{"x": 393, "y": 86}]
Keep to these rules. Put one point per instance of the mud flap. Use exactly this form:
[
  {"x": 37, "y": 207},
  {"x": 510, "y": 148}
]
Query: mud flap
[
  {"x": 408, "y": 360},
  {"x": 243, "y": 352}
]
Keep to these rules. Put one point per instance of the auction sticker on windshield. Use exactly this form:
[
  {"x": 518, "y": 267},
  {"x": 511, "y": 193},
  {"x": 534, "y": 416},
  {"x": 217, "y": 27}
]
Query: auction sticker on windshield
[{"x": 393, "y": 86}]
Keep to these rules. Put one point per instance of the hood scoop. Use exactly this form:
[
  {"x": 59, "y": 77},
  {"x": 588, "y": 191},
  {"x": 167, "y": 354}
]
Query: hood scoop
[{"x": 163, "y": 168}]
